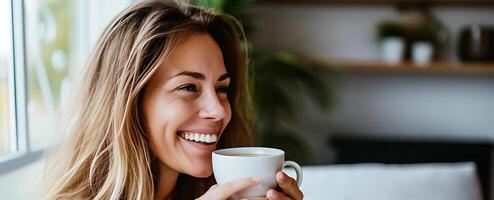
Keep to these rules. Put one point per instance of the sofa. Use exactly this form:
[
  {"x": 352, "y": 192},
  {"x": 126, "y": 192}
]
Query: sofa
[{"x": 373, "y": 181}]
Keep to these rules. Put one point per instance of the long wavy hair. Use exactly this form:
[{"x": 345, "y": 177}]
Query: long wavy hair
[{"x": 104, "y": 153}]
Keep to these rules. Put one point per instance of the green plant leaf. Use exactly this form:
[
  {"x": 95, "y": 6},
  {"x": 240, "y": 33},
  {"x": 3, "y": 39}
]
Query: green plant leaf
[{"x": 295, "y": 147}]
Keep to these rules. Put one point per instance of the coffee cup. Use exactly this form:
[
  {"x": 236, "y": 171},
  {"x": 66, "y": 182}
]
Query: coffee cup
[{"x": 261, "y": 162}]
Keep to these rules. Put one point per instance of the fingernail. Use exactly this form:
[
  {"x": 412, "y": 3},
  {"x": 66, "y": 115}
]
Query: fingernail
[
  {"x": 282, "y": 176},
  {"x": 256, "y": 179},
  {"x": 271, "y": 194}
]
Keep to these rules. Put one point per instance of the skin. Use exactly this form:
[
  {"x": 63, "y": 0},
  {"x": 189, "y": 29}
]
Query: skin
[{"x": 188, "y": 93}]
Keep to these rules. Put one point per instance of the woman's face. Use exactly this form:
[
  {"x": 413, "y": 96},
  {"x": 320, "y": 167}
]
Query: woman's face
[{"x": 185, "y": 106}]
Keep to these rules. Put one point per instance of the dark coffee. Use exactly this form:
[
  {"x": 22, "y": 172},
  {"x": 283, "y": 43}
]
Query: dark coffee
[{"x": 245, "y": 154}]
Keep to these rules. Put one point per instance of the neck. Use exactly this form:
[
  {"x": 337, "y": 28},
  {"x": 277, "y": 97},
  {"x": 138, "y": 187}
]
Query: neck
[{"x": 168, "y": 179}]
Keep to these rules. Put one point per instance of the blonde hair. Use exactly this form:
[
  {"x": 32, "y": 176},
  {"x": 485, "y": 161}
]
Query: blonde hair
[{"x": 105, "y": 154}]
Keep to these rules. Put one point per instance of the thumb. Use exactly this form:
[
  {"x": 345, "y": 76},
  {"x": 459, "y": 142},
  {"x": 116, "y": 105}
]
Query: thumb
[{"x": 225, "y": 190}]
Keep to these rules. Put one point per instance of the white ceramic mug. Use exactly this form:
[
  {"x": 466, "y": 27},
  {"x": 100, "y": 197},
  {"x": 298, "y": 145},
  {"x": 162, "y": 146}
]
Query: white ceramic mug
[{"x": 261, "y": 162}]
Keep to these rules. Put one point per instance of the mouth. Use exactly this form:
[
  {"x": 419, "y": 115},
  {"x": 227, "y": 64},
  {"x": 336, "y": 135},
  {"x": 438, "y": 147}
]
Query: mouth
[{"x": 201, "y": 138}]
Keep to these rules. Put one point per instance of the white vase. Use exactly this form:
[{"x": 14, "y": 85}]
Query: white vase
[
  {"x": 421, "y": 53},
  {"x": 392, "y": 49}
]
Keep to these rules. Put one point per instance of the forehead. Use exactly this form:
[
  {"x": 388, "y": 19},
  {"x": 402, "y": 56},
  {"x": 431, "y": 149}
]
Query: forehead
[{"x": 197, "y": 52}]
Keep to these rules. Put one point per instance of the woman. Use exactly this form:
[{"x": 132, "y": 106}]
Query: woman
[{"x": 161, "y": 91}]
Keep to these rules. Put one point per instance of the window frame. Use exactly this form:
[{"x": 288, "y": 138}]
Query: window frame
[{"x": 21, "y": 151}]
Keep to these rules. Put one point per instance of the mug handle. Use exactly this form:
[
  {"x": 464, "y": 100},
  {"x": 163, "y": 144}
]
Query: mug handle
[{"x": 297, "y": 168}]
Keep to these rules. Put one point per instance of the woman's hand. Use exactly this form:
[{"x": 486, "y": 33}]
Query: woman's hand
[
  {"x": 225, "y": 190},
  {"x": 288, "y": 186}
]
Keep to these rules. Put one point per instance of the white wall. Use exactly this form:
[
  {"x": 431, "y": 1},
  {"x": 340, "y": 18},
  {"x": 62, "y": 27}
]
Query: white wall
[
  {"x": 345, "y": 32},
  {"x": 416, "y": 106},
  {"x": 23, "y": 183},
  {"x": 322, "y": 32}
]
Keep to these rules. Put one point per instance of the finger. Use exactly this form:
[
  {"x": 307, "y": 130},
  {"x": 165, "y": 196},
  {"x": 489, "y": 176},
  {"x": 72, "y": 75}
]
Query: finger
[
  {"x": 210, "y": 190},
  {"x": 255, "y": 198},
  {"x": 289, "y": 185},
  {"x": 225, "y": 190},
  {"x": 212, "y": 187},
  {"x": 274, "y": 195}
]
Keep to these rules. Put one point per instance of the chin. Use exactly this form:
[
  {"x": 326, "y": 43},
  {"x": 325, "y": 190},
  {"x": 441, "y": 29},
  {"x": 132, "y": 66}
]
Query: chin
[{"x": 201, "y": 171}]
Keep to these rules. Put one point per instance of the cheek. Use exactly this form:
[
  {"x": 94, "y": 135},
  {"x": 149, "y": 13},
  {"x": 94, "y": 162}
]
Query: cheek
[
  {"x": 177, "y": 112},
  {"x": 163, "y": 119}
]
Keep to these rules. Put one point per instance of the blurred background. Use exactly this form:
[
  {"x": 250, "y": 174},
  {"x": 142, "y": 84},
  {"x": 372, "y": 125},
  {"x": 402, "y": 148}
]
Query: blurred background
[{"x": 378, "y": 99}]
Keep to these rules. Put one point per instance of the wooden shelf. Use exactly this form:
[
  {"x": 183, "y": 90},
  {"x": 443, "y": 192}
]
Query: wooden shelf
[{"x": 436, "y": 68}]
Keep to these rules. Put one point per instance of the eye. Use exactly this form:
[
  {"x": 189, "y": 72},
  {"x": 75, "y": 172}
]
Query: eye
[
  {"x": 188, "y": 88},
  {"x": 222, "y": 89}
]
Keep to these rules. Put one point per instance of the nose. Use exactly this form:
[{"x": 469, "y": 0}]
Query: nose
[{"x": 211, "y": 107}]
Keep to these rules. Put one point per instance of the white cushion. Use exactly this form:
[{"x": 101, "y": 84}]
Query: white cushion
[{"x": 446, "y": 181}]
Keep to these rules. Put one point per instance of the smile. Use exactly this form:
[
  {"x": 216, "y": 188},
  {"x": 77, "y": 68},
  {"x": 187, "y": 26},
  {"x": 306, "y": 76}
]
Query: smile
[{"x": 199, "y": 137}]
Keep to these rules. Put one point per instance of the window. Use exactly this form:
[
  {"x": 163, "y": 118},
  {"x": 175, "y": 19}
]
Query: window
[
  {"x": 44, "y": 44},
  {"x": 6, "y": 78},
  {"x": 52, "y": 54}
]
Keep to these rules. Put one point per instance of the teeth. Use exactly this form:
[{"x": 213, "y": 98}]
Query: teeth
[
  {"x": 197, "y": 137},
  {"x": 206, "y": 138}
]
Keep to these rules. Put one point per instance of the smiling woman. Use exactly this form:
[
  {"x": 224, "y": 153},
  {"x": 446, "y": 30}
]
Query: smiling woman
[
  {"x": 186, "y": 108},
  {"x": 161, "y": 91}
]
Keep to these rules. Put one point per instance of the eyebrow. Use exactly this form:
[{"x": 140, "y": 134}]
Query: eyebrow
[{"x": 199, "y": 76}]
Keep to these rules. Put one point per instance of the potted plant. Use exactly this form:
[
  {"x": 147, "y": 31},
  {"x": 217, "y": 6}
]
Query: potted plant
[
  {"x": 391, "y": 37},
  {"x": 280, "y": 83},
  {"x": 423, "y": 38}
]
